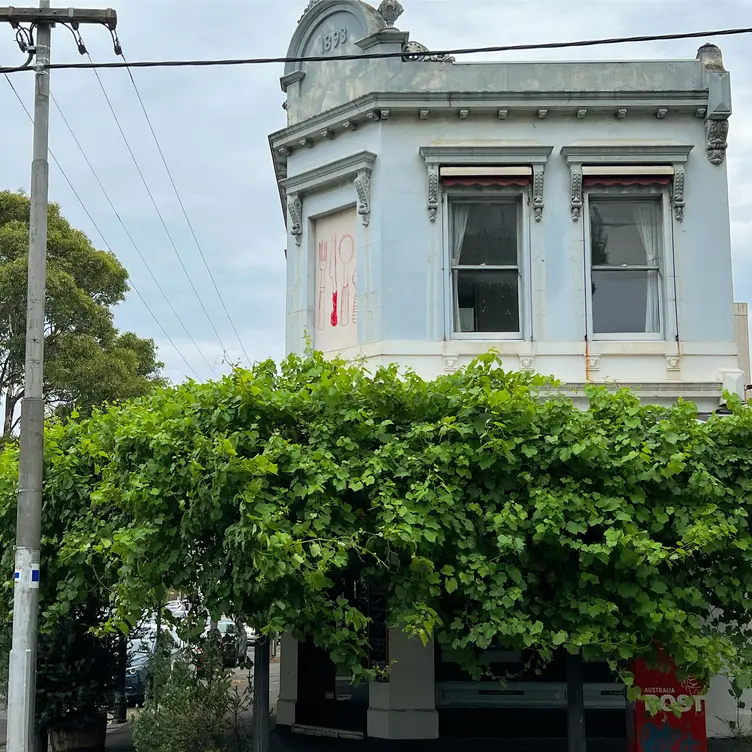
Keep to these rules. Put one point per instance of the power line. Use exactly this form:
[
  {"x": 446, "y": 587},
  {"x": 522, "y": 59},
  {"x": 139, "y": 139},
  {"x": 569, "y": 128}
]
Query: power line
[
  {"x": 385, "y": 55},
  {"x": 128, "y": 233},
  {"x": 159, "y": 213},
  {"x": 185, "y": 214},
  {"x": 96, "y": 227}
]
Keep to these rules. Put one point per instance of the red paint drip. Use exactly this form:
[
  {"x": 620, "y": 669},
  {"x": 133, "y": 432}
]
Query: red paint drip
[{"x": 334, "y": 309}]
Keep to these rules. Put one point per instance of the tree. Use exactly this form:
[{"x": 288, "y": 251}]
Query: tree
[
  {"x": 88, "y": 362},
  {"x": 484, "y": 503}
]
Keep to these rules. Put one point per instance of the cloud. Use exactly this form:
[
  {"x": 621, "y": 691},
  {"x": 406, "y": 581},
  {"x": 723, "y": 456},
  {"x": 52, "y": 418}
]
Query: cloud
[{"x": 213, "y": 123}]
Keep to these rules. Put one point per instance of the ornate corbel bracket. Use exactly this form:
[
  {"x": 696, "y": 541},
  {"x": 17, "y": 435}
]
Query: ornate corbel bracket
[
  {"x": 363, "y": 189},
  {"x": 433, "y": 191},
  {"x": 295, "y": 210},
  {"x": 716, "y": 144},
  {"x": 576, "y": 185},
  {"x": 538, "y": 183},
  {"x": 677, "y": 197}
]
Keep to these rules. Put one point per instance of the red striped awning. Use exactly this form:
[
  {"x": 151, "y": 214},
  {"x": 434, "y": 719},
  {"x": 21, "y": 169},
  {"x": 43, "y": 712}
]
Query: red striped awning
[
  {"x": 487, "y": 181},
  {"x": 613, "y": 180}
]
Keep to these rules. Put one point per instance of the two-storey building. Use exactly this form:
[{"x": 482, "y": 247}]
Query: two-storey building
[{"x": 573, "y": 216}]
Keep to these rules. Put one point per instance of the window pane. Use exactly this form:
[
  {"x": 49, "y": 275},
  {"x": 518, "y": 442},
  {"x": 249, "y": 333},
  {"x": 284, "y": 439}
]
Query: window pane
[
  {"x": 488, "y": 301},
  {"x": 626, "y": 302},
  {"x": 625, "y": 232},
  {"x": 484, "y": 234}
]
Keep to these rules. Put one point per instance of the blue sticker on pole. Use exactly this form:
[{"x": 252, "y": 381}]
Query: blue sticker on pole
[
  {"x": 34, "y": 583},
  {"x": 17, "y": 576}
]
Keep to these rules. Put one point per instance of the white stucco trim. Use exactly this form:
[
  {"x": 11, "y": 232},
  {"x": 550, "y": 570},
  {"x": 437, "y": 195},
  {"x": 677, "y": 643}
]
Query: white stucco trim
[
  {"x": 619, "y": 152},
  {"x": 327, "y": 175},
  {"x": 490, "y": 153}
]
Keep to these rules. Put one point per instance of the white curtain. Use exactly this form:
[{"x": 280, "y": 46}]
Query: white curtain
[
  {"x": 460, "y": 216},
  {"x": 646, "y": 218}
]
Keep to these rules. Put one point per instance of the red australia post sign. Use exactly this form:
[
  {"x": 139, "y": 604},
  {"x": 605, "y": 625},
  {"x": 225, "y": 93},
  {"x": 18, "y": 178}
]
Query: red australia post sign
[{"x": 669, "y": 731}]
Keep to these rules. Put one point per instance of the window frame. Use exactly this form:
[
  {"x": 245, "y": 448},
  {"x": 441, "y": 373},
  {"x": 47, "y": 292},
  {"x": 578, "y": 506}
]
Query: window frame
[
  {"x": 519, "y": 195},
  {"x": 662, "y": 194}
]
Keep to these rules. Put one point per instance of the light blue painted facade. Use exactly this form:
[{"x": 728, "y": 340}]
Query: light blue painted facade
[
  {"x": 393, "y": 108},
  {"x": 384, "y": 118}
]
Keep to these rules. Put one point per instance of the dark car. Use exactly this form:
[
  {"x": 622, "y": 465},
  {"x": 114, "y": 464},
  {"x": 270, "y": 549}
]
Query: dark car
[
  {"x": 141, "y": 649},
  {"x": 233, "y": 644}
]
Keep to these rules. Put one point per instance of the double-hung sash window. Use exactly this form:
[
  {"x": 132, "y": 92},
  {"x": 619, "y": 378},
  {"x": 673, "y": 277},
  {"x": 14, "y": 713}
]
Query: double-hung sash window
[
  {"x": 485, "y": 265},
  {"x": 626, "y": 252}
]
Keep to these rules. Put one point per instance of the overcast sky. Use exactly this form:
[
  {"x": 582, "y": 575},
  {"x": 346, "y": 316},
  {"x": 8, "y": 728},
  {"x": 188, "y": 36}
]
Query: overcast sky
[{"x": 213, "y": 125}]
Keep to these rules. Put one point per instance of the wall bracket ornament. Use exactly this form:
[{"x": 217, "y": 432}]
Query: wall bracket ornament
[
  {"x": 363, "y": 189},
  {"x": 433, "y": 191},
  {"x": 576, "y": 182},
  {"x": 538, "y": 184},
  {"x": 716, "y": 142},
  {"x": 295, "y": 208},
  {"x": 677, "y": 197}
]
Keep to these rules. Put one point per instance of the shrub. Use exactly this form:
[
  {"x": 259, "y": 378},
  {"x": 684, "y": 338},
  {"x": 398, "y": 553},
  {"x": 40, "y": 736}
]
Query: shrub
[{"x": 189, "y": 711}]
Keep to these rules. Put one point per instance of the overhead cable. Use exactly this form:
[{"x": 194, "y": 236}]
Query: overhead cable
[
  {"x": 128, "y": 233},
  {"x": 185, "y": 214},
  {"x": 386, "y": 55},
  {"x": 99, "y": 232},
  {"x": 159, "y": 214}
]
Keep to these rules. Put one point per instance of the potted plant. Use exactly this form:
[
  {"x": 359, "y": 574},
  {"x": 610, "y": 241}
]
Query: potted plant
[{"x": 76, "y": 677}]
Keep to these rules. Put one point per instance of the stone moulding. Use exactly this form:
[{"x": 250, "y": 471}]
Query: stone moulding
[
  {"x": 295, "y": 208},
  {"x": 716, "y": 140},
  {"x": 433, "y": 191},
  {"x": 499, "y": 154},
  {"x": 664, "y": 153},
  {"x": 339, "y": 171},
  {"x": 363, "y": 189},
  {"x": 677, "y": 192},
  {"x": 355, "y": 169},
  {"x": 538, "y": 183},
  {"x": 576, "y": 188}
]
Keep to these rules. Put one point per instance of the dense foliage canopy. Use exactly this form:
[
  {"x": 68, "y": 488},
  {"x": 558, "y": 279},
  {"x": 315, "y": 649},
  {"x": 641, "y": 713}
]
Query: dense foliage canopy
[
  {"x": 486, "y": 503},
  {"x": 88, "y": 361}
]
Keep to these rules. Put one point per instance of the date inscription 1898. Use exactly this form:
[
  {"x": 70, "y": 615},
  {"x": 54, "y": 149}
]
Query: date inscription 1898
[{"x": 330, "y": 42}]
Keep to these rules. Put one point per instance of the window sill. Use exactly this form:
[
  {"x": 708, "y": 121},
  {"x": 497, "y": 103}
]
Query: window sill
[
  {"x": 627, "y": 338},
  {"x": 488, "y": 336}
]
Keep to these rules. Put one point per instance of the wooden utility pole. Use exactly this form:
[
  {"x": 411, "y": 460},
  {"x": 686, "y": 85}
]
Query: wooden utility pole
[{"x": 29, "y": 22}]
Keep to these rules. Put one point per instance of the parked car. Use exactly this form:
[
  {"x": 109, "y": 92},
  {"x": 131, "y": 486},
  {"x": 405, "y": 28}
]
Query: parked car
[
  {"x": 234, "y": 643},
  {"x": 141, "y": 649}
]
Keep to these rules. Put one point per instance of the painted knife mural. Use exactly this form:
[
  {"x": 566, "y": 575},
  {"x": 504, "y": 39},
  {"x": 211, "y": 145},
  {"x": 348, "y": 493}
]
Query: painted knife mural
[{"x": 336, "y": 282}]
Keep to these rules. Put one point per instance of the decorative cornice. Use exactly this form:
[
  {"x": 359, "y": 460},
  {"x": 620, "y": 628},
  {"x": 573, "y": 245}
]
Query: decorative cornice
[
  {"x": 341, "y": 171},
  {"x": 363, "y": 189},
  {"x": 499, "y": 104},
  {"x": 716, "y": 144},
  {"x": 647, "y": 152},
  {"x": 489, "y": 153},
  {"x": 295, "y": 208}
]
